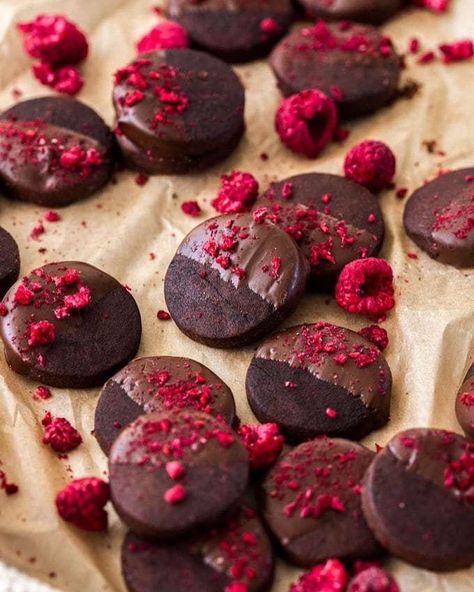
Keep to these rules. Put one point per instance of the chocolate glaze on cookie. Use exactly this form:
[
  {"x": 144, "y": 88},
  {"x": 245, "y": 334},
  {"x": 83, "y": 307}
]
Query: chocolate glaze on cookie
[
  {"x": 311, "y": 502},
  {"x": 333, "y": 220},
  {"x": 69, "y": 325},
  {"x": 234, "y": 279},
  {"x": 439, "y": 218},
  {"x": 236, "y": 31},
  {"x": 54, "y": 151},
  {"x": 417, "y": 497},
  {"x": 364, "y": 11},
  {"x": 157, "y": 384},
  {"x": 320, "y": 379},
  {"x": 9, "y": 261},
  {"x": 237, "y": 551},
  {"x": 465, "y": 404},
  {"x": 173, "y": 472},
  {"x": 354, "y": 64},
  {"x": 177, "y": 110}
]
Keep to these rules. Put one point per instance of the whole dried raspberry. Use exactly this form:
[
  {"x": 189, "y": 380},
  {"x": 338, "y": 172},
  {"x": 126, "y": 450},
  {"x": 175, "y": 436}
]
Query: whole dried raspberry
[
  {"x": 166, "y": 35},
  {"x": 263, "y": 443},
  {"x": 65, "y": 79},
  {"x": 82, "y": 503},
  {"x": 306, "y": 122},
  {"x": 372, "y": 164},
  {"x": 373, "y": 579},
  {"x": 326, "y": 577},
  {"x": 54, "y": 40},
  {"x": 377, "y": 335},
  {"x": 238, "y": 193},
  {"x": 60, "y": 434},
  {"x": 365, "y": 286}
]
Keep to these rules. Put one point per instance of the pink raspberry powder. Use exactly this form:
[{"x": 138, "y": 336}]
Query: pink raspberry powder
[
  {"x": 372, "y": 164},
  {"x": 166, "y": 35}
]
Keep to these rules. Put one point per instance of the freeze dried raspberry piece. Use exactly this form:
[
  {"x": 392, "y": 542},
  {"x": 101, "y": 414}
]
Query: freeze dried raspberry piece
[
  {"x": 166, "y": 35},
  {"x": 263, "y": 442},
  {"x": 377, "y": 335},
  {"x": 60, "y": 434},
  {"x": 372, "y": 164},
  {"x": 306, "y": 122},
  {"x": 434, "y": 5},
  {"x": 373, "y": 579},
  {"x": 82, "y": 503},
  {"x": 191, "y": 208},
  {"x": 330, "y": 576},
  {"x": 458, "y": 51},
  {"x": 365, "y": 287},
  {"x": 65, "y": 79},
  {"x": 238, "y": 193}
]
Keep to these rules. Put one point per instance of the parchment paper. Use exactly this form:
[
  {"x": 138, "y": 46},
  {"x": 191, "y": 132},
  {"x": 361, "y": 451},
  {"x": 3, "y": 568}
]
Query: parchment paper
[{"x": 431, "y": 329}]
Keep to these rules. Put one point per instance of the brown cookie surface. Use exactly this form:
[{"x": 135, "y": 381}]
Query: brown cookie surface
[
  {"x": 417, "y": 497},
  {"x": 9, "y": 261},
  {"x": 465, "y": 404},
  {"x": 354, "y": 64},
  {"x": 364, "y": 11},
  {"x": 159, "y": 383},
  {"x": 69, "y": 325}
]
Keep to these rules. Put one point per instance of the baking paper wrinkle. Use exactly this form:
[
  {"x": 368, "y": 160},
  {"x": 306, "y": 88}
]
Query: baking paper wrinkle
[{"x": 431, "y": 329}]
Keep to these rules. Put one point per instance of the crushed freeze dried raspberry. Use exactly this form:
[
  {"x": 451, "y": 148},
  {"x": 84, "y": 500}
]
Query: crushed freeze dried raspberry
[
  {"x": 373, "y": 579},
  {"x": 434, "y": 5},
  {"x": 23, "y": 296},
  {"x": 166, "y": 35},
  {"x": 60, "y": 434},
  {"x": 458, "y": 51},
  {"x": 52, "y": 216},
  {"x": 238, "y": 193},
  {"x": 54, "y": 40},
  {"x": 270, "y": 26},
  {"x": 191, "y": 208},
  {"x": 263, "y": 442},
  {"x": 372, "y": 164},
  {"x": 3, "y": 310},
  {"x": 427, "y": 58},
  {"x": 163, "y": 315},
  {"x": 414, "y": 45},
  {"x": 65, "y": 79},
  {"x": 306, "y": 122},
  {"x": 175, "y": 494},
  {"x": 8, "y": 488},
  {"x": 42, "y": 393},
  {"x": 37, "y": 231},
  {"x": 76, "y": 158},
  {"x": 365, "y": 287},
  {"x": 82, "y": 503},
  {"x": 327, "y": 577},
  {"x": 237, "y": 587},
  {"x": 377, "y": 335},
  {"x": 41, "y": 333}
]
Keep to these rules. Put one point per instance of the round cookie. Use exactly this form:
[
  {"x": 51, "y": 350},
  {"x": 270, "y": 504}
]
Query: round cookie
[
  {"x": 177, "y": 110},
  {"x": 417, "y": 497},
  {"x": 54, "y": 151},
  {"x": 311, "y": 502},
  {"x": 9, "y": 261},
  {"x": 320, "y": 379},
  {"x": 439, "y": 218},
  {"x": 465, "y": 404},
  {"x": 341, "y": 221},
  {"x": 69, "y": 325},
  {"x": 173, "y": 472},
  {"x": 234, "y": 279},
  {"x": 153, "y": 384},
  {"x": 238, "y": 551},
  {"x": 354, "y": 64},
  {"x": 239, "y": 31},
  {"x": 364, "y": 11}
]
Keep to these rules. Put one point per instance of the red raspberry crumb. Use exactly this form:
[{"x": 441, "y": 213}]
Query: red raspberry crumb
[
  {"x": 238, "y": 193},
  {"x": 326, "y": 577},
  {"x": 306, "y": 122},
  {"x": 23, "y": 296},
  {"x": 458, "y": 51},
  {"x": 3, "y": 310},
  {"x": 434, "y": 5},
  {"x": 42, "y": 393},
  {"x": 54, "y": 40},
  {"x": 163, "y": 315},
  {"x": 175, "y": 469},
  {"x": 412, "y": 255},
  {"x": 52, "y": 216},
  {"x": 414, "y": 45},
  {"x": 373, "y": 579},
  {"x": 331, "y": 413},
  {"x": 427, "y": 58},
  {"x": 166, "y": 35},
  {"x": 37, "y": 231},
  {"x": 82, "y": 503},
  {"x": 66, "y": 79},
  {"x": 141, "y": 179},
  {"x": 41, "y": 333},
  {"x": 237, "y": 587},
  {"x": 263, "y": 442},
  {"x": 365, "y": 286},
  {"x": 60, "y": 434},
  {"x": 401, "y": 192},
  {"x": 270, "y": 26},
  {"x": 175, "y": 494},
  {"x": 191, "y": 208},
  {"x": 8, "y": 488},
  {"x": 377, "y": 335},
  {"x": 372, "y": 164}
]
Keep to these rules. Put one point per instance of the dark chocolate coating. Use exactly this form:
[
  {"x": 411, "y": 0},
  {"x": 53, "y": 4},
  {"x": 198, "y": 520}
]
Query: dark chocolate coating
[
  {"x": 465, "y": 404},
  {"x": 216, "y": 305},
  {"x": 365, "y": 80},
  {"x": 215, "y": 472},
  {"x": 204, "y": 563},
  {"x": 438, "y": 217},
  {"x": 308, "y": 391},
  {"x": 200, "y": 112},
  {"x": 351, "y": 206},
  {"x": 364, "y": 11},
  {"x": 33, "y": 173},
  {"x": 417, "y": 497},
  {"x": 91, "y": 344},
  {"x": 9, "y": 261},
  {"x": 233, "y": 30},
  {"x": 311, "y": 502},
  {"x": 157, "y": 384}
]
